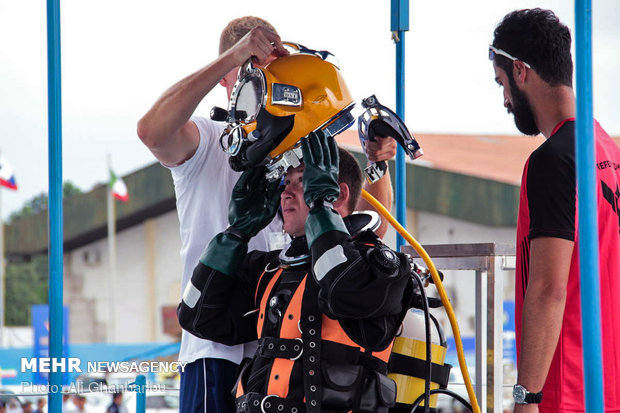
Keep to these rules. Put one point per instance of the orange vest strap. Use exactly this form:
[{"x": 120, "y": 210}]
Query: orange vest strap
[
  {"x": 263, "y": 302},
  {"x": 280, "y": 377}
]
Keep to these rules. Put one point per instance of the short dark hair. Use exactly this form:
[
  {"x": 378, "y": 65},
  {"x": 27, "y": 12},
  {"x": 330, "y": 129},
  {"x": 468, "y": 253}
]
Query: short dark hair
[
  {"x": 349, "y": 173},
  {"x": 237, "y": 28},
  {"x": 537, "y": 37}
]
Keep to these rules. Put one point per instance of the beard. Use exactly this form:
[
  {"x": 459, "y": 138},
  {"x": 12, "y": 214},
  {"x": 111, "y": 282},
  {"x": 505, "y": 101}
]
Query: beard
[{"x": 522, "y": 111}]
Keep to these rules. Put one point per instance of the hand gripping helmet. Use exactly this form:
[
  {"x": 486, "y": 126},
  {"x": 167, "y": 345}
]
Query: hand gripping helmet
[{"x": 272, "y": 108}]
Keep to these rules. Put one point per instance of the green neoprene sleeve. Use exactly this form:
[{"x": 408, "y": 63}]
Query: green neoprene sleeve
[
  {"x": 323, "y": 220},
  {"x": 224, "y": 253}
]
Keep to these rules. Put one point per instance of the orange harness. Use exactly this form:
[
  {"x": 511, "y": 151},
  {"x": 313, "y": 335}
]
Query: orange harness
[{"x": 306, "y": 338}]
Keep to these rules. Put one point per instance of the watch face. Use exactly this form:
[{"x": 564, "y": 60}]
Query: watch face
[{"x": 518, "y": 393}]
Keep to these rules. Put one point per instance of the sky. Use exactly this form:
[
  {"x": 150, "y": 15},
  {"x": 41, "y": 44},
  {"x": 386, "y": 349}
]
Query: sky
[{"x": 118, "y": 57}]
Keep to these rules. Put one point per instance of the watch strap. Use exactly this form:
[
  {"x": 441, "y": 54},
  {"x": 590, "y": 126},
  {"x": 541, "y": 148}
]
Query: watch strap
[{"x": 533, "y": 397}]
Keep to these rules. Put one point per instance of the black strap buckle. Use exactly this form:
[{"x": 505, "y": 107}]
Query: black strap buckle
[
  {"x": 248, "y": 403},
  {"x": 270, "y": 347},
  {"x": 271, "y": 403}
]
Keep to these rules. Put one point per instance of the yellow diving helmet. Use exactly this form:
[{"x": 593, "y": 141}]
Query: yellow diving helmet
[{"x": 272, "y": 108}]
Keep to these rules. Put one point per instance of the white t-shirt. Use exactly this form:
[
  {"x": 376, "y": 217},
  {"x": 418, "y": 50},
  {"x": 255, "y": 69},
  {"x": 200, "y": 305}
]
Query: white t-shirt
[{"x": 203, "y": 185}]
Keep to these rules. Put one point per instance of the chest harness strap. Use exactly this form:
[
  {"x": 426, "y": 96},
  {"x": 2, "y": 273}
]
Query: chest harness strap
[
  {"x": 311, "y": 321},
  {"x": 259, "y": 403}
]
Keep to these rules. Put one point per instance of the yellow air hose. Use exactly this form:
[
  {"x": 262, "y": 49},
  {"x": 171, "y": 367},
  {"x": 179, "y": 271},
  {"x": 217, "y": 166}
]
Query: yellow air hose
[{"x": 442, "y": 293}]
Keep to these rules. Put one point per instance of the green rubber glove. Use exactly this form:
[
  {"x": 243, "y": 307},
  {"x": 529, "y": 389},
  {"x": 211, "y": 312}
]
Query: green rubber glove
[
  {"x": 224, "y": 253},
  {"x": 321, "y": 168},
  {"x": 321, "y": 183},
  {"x": 254, "y": 202}
]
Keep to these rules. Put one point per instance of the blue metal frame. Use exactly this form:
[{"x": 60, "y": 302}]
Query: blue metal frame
[
  {"x": 588, "y": 226},
  {"x": 140, "y": 388},
  {"x": 399, "y": 24},
  {"x": 401, "y": 177},
  {"x": 399, "y": 15},
  {"x": 55, "y": 200}
]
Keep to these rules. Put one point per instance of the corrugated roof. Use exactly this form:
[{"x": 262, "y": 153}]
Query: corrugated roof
[
  {"x": 85, "y": 214},
  {"x": 496, "y": 157}
]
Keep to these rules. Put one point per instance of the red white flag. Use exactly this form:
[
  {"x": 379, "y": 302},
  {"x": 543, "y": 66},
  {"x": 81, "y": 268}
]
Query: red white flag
[
  {"x": 7, "y": 178},
  {"x": 118, "y": 187}
]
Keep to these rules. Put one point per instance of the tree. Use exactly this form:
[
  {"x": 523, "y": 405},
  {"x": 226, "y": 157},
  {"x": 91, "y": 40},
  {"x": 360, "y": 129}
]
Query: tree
[
  {"x": 38, "y": 203},
  {"x": 26, "y": 284}
]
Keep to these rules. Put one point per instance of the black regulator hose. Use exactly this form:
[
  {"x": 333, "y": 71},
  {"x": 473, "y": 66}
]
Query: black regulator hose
[
  {"x": 450, "y": 393},
  {"x": 428, "y": 365}
]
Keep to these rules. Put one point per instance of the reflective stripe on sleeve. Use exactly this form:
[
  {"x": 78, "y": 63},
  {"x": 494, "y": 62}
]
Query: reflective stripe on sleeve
[
  {"x": 328, "y": 261},
  {"x": 191, "y": 295}
]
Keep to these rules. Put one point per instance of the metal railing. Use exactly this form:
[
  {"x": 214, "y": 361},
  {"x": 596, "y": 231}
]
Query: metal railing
[{"x": 488, "y": 261}]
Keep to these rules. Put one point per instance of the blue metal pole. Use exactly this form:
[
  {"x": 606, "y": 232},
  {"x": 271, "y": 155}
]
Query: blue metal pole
[
  {"x": 401, "y": 177},
  {"x": 55, "y": 200},
  {"x": 140, "y": 394},
  {"x": 588, "y": 227},
  {"x": 400, "y": 24}
]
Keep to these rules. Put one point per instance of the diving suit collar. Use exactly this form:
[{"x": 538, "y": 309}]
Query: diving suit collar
[{"x": 296, "y": 252}]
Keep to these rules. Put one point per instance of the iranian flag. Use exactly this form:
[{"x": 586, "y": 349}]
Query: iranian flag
[
  {"x": 7, "y": 178},
  {"x": 118, "y": 187}
]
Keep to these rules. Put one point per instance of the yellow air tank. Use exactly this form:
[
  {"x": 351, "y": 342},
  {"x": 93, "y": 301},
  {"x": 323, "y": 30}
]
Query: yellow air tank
[{"x": 408, "y": 359}]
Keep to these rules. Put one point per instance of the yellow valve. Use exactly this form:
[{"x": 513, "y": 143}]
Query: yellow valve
[{"x": 442, "y": 293}]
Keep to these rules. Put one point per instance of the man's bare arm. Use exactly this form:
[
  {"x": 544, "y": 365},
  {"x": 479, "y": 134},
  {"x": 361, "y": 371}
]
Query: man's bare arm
[
  {"x": 381, "y": 150},
  {"x": 543, "y": 311},
  {"x": 166, "y": 130}
]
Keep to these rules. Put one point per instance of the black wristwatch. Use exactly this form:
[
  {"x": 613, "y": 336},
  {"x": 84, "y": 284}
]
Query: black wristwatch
[{"x": 522, "y": 396}]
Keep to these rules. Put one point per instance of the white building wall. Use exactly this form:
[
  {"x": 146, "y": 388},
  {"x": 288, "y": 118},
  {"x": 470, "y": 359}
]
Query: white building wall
[
  {"x": 147, "y": 255},
  {"x": 438, "y": 229}
]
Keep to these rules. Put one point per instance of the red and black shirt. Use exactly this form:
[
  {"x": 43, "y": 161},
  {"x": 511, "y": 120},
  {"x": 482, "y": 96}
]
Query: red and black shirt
[{"x": 548, "y": 208}]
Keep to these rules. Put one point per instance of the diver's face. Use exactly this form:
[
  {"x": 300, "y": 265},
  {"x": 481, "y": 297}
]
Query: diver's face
[{"x": 294, "y": 208}]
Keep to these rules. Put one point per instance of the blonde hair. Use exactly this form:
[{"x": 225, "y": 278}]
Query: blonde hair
[{"x": 238, "y": 28}]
